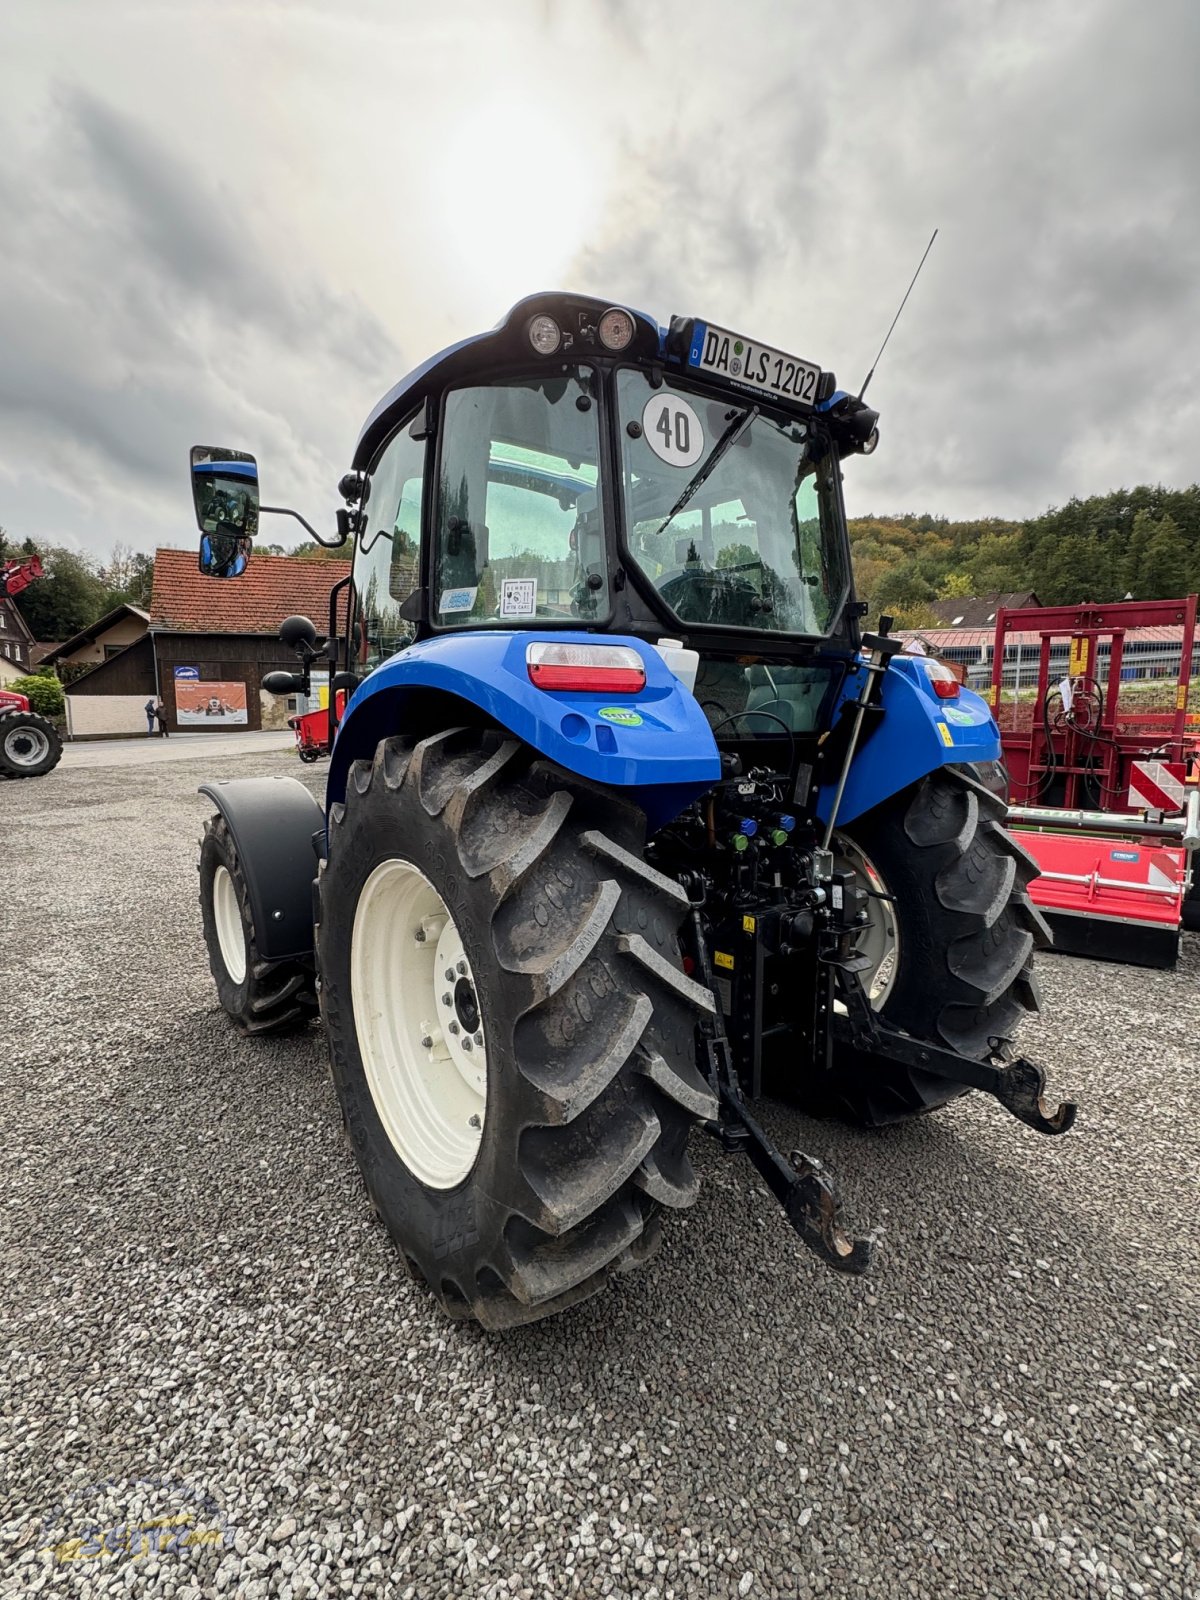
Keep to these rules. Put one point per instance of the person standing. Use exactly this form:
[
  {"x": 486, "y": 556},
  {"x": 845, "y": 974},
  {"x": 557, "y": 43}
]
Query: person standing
[
  {"x": 160, "y": 712},
  {"x": 150, "y": 709}
]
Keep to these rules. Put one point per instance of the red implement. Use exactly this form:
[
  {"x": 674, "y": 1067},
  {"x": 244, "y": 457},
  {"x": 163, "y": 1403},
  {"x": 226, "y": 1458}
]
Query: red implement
[
  {"x": 1109, "y": 898},
  {"x": 1092, "y": 704}
]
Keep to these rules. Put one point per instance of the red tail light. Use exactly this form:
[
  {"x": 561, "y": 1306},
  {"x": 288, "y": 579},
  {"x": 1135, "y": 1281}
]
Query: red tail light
[
  {"x": 945, "y": 684},
  {"x": 585, "y": 668}
]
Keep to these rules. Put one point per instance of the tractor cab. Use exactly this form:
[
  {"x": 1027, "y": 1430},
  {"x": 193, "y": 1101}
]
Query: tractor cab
[{"x": 582, "y": 467}]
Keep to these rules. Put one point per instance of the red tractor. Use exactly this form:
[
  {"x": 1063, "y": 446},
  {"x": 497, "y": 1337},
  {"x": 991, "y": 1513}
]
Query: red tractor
[{"x": 30, "y": 745}]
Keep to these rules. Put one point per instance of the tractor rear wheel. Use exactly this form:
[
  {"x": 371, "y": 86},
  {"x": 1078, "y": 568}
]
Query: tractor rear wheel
[
  {"x": 954, "y": 930},
  {"x": 30, "y": 746},
  {"x": 511, "y": 1030},
  {"x": 260, "y": 996}
]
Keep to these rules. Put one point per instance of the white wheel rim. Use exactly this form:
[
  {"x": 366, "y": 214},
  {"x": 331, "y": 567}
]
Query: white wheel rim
[
  {"x": 414, "y": 998},
  {"x": 26, "y": 746},
  {"x": 231, "y": 935},
  {"x": 880, "y": 939}
]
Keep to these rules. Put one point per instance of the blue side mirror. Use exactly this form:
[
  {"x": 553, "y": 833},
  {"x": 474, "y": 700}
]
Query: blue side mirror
[{"x": 225, "y": 495}]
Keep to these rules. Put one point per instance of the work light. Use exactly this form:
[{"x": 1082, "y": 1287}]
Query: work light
[{"x": 544, "y": 334}]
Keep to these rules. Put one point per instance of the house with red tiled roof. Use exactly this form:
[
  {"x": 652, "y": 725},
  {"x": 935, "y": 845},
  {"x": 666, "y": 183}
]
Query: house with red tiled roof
[{"x": 207, "y": 648}]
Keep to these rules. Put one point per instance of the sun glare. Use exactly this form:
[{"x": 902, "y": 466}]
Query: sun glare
[{"x": 517, "y": 188}]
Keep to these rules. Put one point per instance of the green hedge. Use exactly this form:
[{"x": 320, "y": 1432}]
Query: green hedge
[{"x": 45, "y": 694}]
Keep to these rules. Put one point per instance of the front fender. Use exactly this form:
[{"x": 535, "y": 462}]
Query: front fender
[
  {"x": 655, "y": 744},
  {"x": 917, "y": 734},
  {"x": 273, "y": 822}
]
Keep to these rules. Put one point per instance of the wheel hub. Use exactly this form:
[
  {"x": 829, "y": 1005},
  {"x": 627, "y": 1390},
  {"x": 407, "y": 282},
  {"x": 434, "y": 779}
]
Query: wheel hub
[
  {"x": 419, "y": 1025},
  {"x": 466, "y": 1007},
  {"x": 880, "y": 939},
  {"x": 25, "y": 747}
]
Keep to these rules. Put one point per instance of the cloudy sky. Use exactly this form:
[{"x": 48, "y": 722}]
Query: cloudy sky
[{"x": 240, "y": 221}]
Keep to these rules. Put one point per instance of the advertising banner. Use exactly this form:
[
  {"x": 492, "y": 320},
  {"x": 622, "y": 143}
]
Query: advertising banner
[{"x": 210, "y": 704}]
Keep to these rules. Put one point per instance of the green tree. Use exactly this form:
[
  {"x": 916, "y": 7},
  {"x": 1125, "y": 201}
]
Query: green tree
[
  {"x": 957, "y": 586},
  {"x": 71, "y": 595},
  {"x": 1166, "y": 570}
]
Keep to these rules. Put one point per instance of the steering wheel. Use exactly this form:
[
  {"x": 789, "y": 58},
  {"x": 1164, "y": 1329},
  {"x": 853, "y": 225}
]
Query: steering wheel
[{"x": 711, "y": 594}]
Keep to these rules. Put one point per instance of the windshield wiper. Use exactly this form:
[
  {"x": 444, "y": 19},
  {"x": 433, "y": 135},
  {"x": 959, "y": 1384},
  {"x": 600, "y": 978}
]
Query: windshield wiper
[{"x": 732, "y": 434}]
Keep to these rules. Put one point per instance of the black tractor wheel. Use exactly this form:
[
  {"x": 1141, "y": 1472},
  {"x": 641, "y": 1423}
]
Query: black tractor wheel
[
  {"x": 511, "y": 1030},
  {"x": 260, "y": 996},
  {"x": 30, "y": 746},
  {"x": 953, "y": 931}
]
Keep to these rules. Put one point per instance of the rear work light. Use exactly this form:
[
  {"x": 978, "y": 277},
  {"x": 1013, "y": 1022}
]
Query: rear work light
[
  {"x": 945, "y": 684},
  {"x": 585, "y": 668}
]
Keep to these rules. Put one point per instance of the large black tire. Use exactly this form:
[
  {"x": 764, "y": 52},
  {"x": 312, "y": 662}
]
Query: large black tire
[
  {"x": 30, "y": 746},
  {"x": 967, "y": 934},
  {"x": 592, "y": 1084},
  {"x": 268, "y": 997}
]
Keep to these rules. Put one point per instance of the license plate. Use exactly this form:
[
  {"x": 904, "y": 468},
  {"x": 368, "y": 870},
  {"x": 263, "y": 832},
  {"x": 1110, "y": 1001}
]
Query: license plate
[{"x": 756, "y": 366}]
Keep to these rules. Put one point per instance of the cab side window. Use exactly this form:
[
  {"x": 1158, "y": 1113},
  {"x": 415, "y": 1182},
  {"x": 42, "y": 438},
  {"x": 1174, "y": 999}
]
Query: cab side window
[{"x": 387, "y": 556}]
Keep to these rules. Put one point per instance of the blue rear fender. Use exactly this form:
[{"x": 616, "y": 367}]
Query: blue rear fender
[
  {"x": 655, "y": 744},
  {"x": 919, "y": 733}
]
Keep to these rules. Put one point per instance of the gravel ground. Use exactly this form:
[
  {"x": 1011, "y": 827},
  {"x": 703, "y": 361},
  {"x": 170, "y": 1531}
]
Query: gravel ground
[{"x": 201, "y": 1317}]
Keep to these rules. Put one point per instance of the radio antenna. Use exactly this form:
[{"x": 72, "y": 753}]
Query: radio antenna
[{"x": 896, "y": 318}]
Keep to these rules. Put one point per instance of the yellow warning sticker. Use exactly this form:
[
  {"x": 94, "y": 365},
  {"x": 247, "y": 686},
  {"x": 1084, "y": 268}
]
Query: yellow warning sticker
[
  {"x": 1078, "y": 660},
  {"x": 722, "y": 960},
  {"x": 947, "y": 736},
  {"x": 748, "y": 924},
  {"x": 1181, "y": 698}
]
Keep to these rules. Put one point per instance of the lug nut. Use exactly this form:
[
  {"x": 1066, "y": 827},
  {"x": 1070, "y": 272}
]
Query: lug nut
[
  {"x": 447, "y": 999},
  {"x": 462, "y": 969},
  {"x": 449, "y": 974},
  {"x": 454, "y": 1027},
  {"x": 479, "y": 1038},
  {"x": 474, "y": 1122},
  {"x": 419, "y": 936},
  {"x": 466, "y": 1044},
  {"x": 427, "y": 1042}
]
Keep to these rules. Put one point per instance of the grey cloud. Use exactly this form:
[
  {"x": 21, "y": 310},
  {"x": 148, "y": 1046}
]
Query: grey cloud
[
  {"x": 1054, "y": 144},
  {"x": 140, "y": 310}
]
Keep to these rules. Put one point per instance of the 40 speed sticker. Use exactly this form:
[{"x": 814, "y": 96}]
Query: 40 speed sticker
[
  {"x": 621, "y": 715},
  {"x": 672, "y": 429}
]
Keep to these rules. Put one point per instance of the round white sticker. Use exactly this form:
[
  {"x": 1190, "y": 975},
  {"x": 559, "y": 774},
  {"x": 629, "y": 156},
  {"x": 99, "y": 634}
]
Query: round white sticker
[{"x": 672, "y": 429}]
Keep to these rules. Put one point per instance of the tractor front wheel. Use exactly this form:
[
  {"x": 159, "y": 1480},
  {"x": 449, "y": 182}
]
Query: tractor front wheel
[
  {"x": 511, "y": 1030},
  {"x": 260, "y": 996},
  {"x": 951, "y": 935}
]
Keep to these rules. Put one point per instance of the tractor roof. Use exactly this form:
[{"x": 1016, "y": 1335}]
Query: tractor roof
[{"x": 578, "y": 318}]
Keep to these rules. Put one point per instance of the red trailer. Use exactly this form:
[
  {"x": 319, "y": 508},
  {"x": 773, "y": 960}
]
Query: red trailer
[
  {"x": 312, "y": 731},
  {"x": 1103, "y": 756}
]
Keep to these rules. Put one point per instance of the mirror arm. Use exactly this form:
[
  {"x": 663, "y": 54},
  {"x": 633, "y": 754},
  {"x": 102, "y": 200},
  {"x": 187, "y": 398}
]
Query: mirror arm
[{"x": 286, "y": 511}]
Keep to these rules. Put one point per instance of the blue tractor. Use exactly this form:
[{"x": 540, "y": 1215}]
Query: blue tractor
[{"x": 628, "y": 823}]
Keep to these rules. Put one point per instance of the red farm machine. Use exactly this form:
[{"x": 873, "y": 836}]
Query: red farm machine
[
  {"x": 1103, "y": 758},
  {"x": 30, "y": 745}
]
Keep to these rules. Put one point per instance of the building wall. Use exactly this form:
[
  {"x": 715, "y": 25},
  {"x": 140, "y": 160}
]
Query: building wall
[
  {"x": 15, "y": 637},
  {"x": 130, "y": 673},
  {"x": 234, "y": 657},
  {"x": 99, "y": 716},
  {"x": 10, "y": 671}
]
